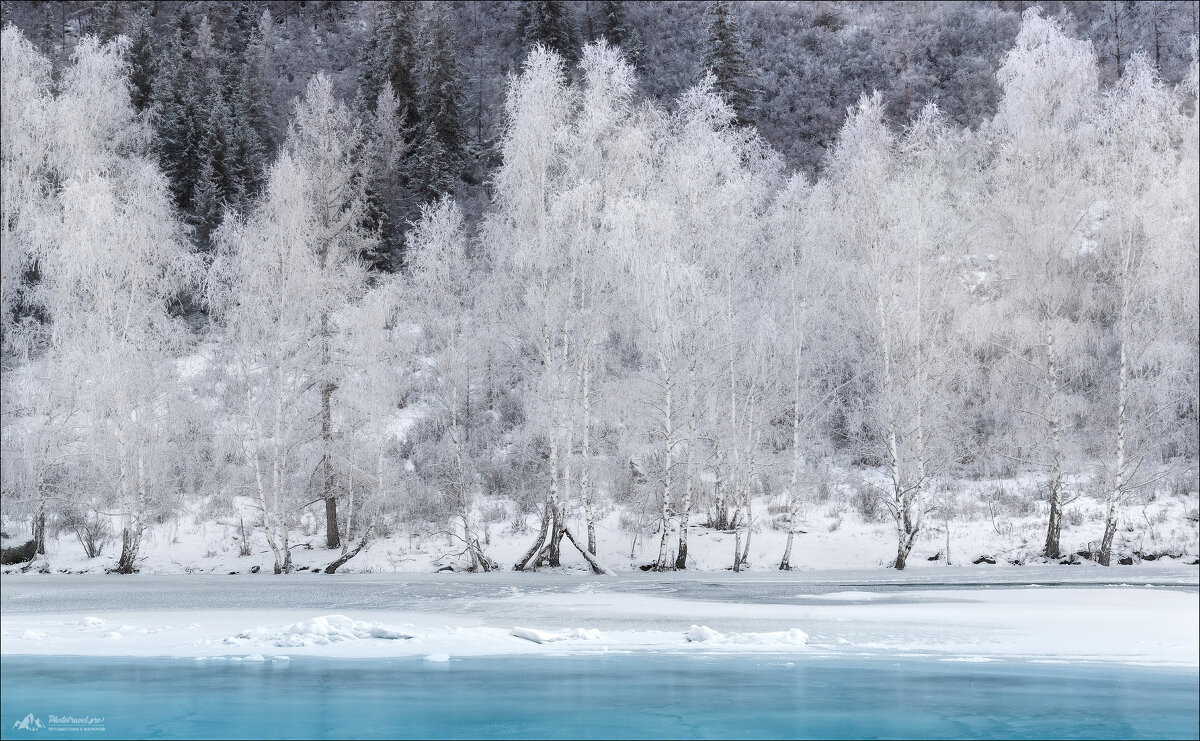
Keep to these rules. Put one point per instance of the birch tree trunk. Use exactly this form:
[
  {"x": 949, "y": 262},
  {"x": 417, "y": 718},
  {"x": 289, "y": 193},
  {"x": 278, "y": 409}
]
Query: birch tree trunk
[
  {"x": 685, "y": 509},
  {"x": 668, "y": 383},
  {"x": 1052, "y": 548},
  {"x": 1116, "y": 491}
]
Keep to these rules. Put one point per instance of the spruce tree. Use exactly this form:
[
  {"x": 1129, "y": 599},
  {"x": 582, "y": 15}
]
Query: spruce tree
[
  {"x": 370, "y": 59},
  {"x": 206, "y": 196},
  {"x": 399, "y": 57},
  {"x": 175, "y": 104},
  {"x": 385, "y": 195},
  {"x": 248, "y": 152},
  {"x": 244, "y": 25},
  {"x": 48, "y": 33},
  {"x": 725, "y": 58},
  {"x": 617, "y": 30},
  {"x": 218, "y": 182},
  {"x": 259, "y": 83},
  {"x": 440, "y": 146},
  {"x": 141, "y": 64},
  {"x": 389, "y": 56},
  {"x": 549, "y": 23},
  {"x": 112, "y": 20}
]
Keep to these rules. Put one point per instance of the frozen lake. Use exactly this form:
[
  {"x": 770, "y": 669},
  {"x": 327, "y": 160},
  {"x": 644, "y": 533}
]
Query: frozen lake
[
  {"x": 1006, "y": 653},
  {"x": 1130, "y": 616},
  {"x": 653, "y": 696}
]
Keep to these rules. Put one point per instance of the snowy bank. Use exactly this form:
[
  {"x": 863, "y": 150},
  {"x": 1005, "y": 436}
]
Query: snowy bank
[{"x": 457, "y": 616}]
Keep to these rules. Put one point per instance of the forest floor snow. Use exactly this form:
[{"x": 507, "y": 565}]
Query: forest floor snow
[
  {"x": 1051, "y": 613},
  {"x": 995, "y": 524}
]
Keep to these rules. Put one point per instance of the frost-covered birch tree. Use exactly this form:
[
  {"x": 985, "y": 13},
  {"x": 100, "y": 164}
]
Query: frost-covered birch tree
[
  {"x": 895, "y": 221},
  {"x": 26, "y": 142},
  {"x": 534, "y": 230},
  {"x": 529, "y": 247},
  {"x": 260, "y": 288},
  {"x": 112, "y": 259},
  {"x": 441, "y": 288},
  {"x": 374, "y": 351},
  {"x": 800, "y": 240},
  {"x": 1140, "y": 247},
  {"x": 1039, "y": 207}
]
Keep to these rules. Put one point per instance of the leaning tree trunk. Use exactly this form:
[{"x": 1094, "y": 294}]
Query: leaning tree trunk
[
  {"x": 348, "y": 554},
  {"x": 591, "y": 559},
  {"x": 528, "y": 560}
]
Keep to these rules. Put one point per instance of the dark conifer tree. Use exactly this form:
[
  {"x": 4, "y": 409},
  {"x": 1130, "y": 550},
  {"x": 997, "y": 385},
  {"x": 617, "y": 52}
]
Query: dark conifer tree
[
  {"x": 48, "y": 33},
  {"x": 725, "y": 58},
  {"x": 175, "y": 100},
  {"x": 370, "y": 60},
  {"x": 258, "y": 87},
  {"x": 439, "y": 152},
  {"x": 142, "y": 70},
  {"x": 218, "y": 182},
  {"x": 244, "y": 25},
  {"x": 248, "y": 152},
  {"x": 549, "y": 23},
  {"x": 399, "y": 51},
  {"x": 617, "y": 30},
  {"x": 388, "y": 202},
  {"x": 111, "y": 20}
]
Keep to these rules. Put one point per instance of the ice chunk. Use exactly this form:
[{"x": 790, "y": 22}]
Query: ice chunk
[
  {"x": 437, "y": 658},
  {"x": 701, "y": 633},
  {"x": 545, "y": 636},
  {"x": 705, "y": 634},
  {"x": 537, "y": 636},
  {"x": 320, "y": 631}
]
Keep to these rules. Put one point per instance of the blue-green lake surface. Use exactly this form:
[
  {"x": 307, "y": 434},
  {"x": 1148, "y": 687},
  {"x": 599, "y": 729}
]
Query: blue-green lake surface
[{"x": 631, "y": 695}]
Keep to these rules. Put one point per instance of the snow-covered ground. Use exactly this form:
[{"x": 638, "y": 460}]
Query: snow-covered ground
[
  {"x": 1029, "y": 614},
  {"x": 838, "y": 533},
  {"x": 196, "y": 597}
]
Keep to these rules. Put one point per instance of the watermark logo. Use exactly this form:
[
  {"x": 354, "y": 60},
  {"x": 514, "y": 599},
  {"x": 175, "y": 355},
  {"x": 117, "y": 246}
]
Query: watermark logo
[
  {"x": 60, "y": 724},
  {"x": 28, "y": 723}
]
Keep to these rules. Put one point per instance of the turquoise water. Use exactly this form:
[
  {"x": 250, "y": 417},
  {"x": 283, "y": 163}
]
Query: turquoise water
[{"x": 660, "y": 695}]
